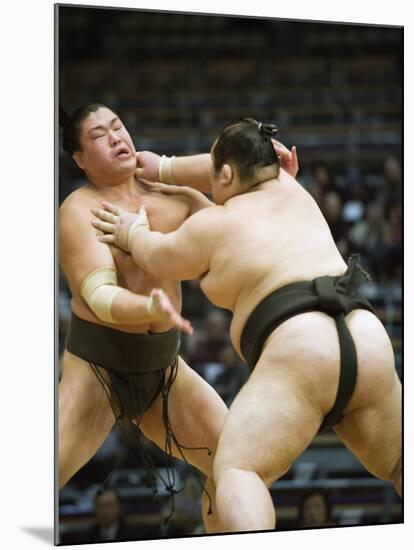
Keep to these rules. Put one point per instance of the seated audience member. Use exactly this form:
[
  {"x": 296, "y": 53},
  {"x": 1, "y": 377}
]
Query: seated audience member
[
  {"x": 109, "y": 523},
  {"x": 315, "y": 510}
]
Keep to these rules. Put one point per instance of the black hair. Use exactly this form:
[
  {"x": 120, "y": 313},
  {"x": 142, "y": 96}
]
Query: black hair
[
  {"x": 71, "y": 125},
  {"x": 246, "y": 144}
]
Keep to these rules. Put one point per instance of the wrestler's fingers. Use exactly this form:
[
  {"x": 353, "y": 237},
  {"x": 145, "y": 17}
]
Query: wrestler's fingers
[
  {"x": 164, "y": 304},
  {"x": 281, "y": 150},
  {"x": 104, "y": 215},
  {"x": 173, "y": 189},
  {"x": 295, "y": 162},
  {"x": 112, "y": 208},
  {"x": 161, "y": 300},
  {"x": 103, "y": 226},
  {"x": 164, "y": 188},
  {"x": 185, "y": 326},
  {"x": 180, "y": 322},
  {"x": 106, "y": 238},
  {"x": 156, "y": 185}
]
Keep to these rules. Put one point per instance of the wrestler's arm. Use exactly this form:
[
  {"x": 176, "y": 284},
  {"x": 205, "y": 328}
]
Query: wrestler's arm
[
  {"x": 191, "y": 171},
  {"x": 81, "y": 254},
  {"x": 193, "y": 199},
  {"x": 194, "y": 170},
  {"x": 183, "y": 254}
]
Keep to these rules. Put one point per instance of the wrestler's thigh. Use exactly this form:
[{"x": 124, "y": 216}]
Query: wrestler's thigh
[
  {"x": 371, "y": 426},
  {"x": 373, "y": 432},
  {"x": 84, "y": 408},
  {"x": 196, "y": 413},
  {"x": 269, "y": 424}
]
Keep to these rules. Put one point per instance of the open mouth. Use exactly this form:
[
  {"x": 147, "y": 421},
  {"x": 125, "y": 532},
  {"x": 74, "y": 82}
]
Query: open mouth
[{"x": 122, "y": 153}]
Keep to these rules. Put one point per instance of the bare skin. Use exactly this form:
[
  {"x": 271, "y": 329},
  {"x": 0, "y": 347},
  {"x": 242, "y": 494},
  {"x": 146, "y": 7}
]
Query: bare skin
[
  {"x": 253, "y": 244},
  {"x": 85, "y": 416}
]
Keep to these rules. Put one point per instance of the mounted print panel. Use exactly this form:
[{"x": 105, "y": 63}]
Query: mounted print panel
[{"x": 230, "y": 274}]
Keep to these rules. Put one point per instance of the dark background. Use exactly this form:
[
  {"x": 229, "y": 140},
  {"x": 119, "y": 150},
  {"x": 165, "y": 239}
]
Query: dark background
[{"x": 334, "y": 91}]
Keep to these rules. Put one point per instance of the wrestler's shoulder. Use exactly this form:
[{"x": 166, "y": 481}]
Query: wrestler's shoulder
[
  {"x": 75, "y": 213},
  {"x": 214, "y": 216},
  {"x": 79, "y": 201}
]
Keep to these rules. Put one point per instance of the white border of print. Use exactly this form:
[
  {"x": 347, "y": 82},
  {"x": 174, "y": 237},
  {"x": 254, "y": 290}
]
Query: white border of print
[{"x": 27, "y": 300}]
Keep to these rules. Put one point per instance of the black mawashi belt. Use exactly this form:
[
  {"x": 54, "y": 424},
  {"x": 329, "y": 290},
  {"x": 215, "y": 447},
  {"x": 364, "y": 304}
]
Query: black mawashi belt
[
  {"x": 122, "y": 351},
  {"x": 335, "y": 296}
]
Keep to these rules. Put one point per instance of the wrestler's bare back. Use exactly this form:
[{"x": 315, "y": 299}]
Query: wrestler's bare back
[
  {"x": 285, "y": 241},
  {"x": 166, "y": 213}
]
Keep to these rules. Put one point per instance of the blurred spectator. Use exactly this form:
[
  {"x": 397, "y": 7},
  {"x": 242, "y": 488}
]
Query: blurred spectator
[
  {"x": 393, "y": 238},
  {"x": 332, "y": 210},
  {"x": 195, "y": 303},
  {"x": 315, "y": 189},
  {"x": 315, "y": 510},
  {"x": 369, "y": 236},
  {"x": 391, "y": 189},
  {"x": 368, "y": 233},
  {"x": 232, "y": 377},
  {"x": 321, "y": 176},
  {"x": 109, "y": 524},
  {"x": 210, "y": 343},
  {"x": 354, "y": 207},
  {"x": 186, "y": 518}
]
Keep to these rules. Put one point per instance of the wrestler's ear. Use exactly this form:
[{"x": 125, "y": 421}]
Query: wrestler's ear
[
  {"x": 78, "y": 158},
  {"x": 226, "y": 175}
]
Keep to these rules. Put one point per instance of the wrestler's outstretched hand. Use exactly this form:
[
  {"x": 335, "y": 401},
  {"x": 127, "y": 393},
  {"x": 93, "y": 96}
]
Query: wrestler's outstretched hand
[
  {"x": 148, "y": 165},
  {"x": 162, "y": 309},
  {"x": 117, "y": 225},
  {"x": 288, "y": 159}
]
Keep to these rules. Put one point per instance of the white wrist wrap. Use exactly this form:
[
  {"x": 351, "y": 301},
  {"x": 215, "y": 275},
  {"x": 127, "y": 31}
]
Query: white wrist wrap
[
  {"x": 165, "y": 169},
  {"x": 99, "y": 289},
  {"x": 140, "y": 224}
]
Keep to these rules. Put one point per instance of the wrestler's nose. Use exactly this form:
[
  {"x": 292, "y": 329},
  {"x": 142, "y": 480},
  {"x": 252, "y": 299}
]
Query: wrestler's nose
[{"x": 114, "y": 139}]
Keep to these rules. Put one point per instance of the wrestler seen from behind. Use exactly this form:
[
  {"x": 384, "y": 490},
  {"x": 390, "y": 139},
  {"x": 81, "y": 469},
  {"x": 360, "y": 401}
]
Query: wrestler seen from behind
[{"x": 318, "y": 355}]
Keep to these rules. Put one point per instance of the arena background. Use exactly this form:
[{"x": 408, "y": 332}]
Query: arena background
[{"x": 334, "y": 91}]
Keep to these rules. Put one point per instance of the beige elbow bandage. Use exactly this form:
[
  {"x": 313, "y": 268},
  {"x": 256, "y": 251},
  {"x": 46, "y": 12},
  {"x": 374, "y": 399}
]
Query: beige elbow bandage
[
  {"x": 99, "y": 289},
  {"x": 165, "y": 169}
]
